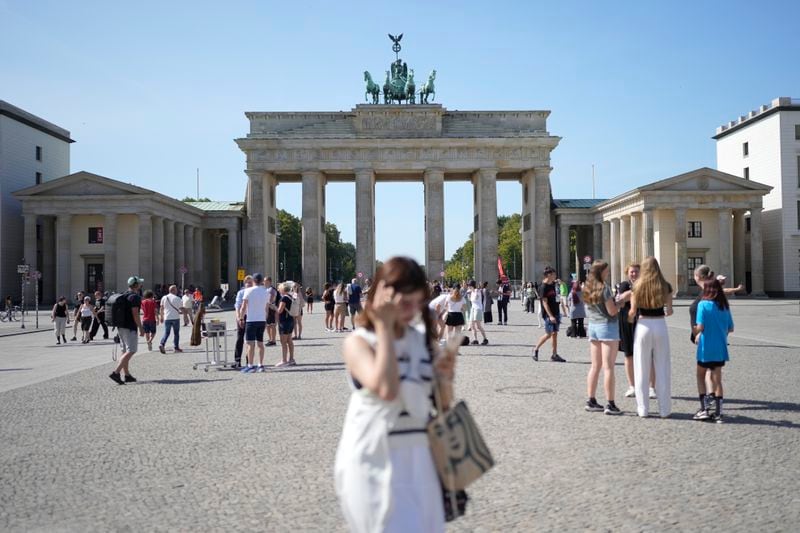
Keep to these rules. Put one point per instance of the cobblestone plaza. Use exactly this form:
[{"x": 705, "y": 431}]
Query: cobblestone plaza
[{"x": 188, "y": 450}]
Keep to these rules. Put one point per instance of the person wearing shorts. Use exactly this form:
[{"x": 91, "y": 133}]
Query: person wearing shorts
[
  {"x": 286, "y": 325},
  {"x": 149, "y": 317},
  {"x": 254, "y": 307},
  {"x": 272, "y": 305},
  {"x": 455, "y": 314},
  {"x": 550, "y": 315},
  {"x": 327, "y": 299},
  {"x": 476, "y": 298},
  {"x": 128, "y": 330},
  {"x": 602, "y": 310}
]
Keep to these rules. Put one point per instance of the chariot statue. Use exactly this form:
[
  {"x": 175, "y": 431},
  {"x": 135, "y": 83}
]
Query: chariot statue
[{"x": 399, "y": 86}]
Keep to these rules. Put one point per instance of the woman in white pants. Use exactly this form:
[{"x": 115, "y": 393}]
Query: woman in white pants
[{"x": 651, "y": 301}]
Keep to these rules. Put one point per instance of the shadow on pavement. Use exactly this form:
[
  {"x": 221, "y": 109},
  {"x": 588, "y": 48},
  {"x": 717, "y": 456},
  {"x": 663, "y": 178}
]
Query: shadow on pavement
[
  {"x": 180, "y": 381},
  {"x": 739, "y": 405},
  {"x": 14, "y": 369}
]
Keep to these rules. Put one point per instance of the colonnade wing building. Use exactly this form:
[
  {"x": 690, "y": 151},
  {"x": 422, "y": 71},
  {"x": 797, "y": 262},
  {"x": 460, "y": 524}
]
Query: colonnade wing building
[{"x": 425, "y": 143}]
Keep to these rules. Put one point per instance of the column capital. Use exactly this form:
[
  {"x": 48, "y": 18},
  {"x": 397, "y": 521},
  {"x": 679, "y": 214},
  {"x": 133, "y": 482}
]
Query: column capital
[
  {"x": 433, "y": 171},
  {"x": 542, "y": 172},
  {"x": 362, "y": 170},
  {"x": 487, "y": 171}
]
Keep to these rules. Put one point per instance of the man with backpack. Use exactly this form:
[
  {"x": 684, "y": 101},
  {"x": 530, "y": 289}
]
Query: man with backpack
[
  {"x": 354, "y": 300},
  {"x": 125, "y": 317}
]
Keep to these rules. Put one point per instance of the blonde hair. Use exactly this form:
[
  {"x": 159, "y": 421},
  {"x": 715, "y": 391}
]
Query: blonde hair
[
  {"x": 651, "y": 290},
  {"x": 593, "y": 289}
]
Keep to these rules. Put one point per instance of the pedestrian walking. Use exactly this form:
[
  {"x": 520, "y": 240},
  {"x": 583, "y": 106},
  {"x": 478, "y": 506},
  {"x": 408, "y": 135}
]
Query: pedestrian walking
[
  {"x": 240, "y": 321},
  {"x": 455, "y": 315},
  {"x": 528, "y": 297},
  {"x": 296, "y": 311},
  {"x": 254, "y": 307},
  {"x": 537, "y": 304},
  {"x": 129, "y": 328},
  {"x": 272, "y": 305},
  {"x": 577, "y": 311},
  {"x": 328, "y": 304},
  {"x": 714, "y": 324},
  {"x": 340, "y": 311},
  {"x": 87, "y": 315},
  {"x": 309, "y": 300},
  {"x": 100, "y": 314},
  {"x": 603, "y": 314},
  {"x": 60, "y": 318},
  {"x": 149, "y": 318},
  {"x": 286, "y": 325},
  {"x": 550, "y": 315},
  {"x": 170, "y": 312},
  {"x": 652, "y": 301},
  {"x": 438, "y": 309},
  {"x": 488, "y": 298},
  {"x": 354, "y": 301},
  {"x": 476, "y": 298},
  {"x": 187, "y": 303},
  {"x": 79, "y": 296},
  {"x": 563, "y": 291},
  {"x": 385, "y": 476}
]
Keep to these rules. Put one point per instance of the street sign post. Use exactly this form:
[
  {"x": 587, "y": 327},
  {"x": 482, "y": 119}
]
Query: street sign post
[
  {"x": 587, "y": 258},
  {"x": 360, "y": 275},
  {"x": 240, "y": 274},
  {"x": 22, "y": 270},
  {"x": 183, "y": 270},
  {"x": 36, "y": 276},
  {"x": 441, "y": 274}
]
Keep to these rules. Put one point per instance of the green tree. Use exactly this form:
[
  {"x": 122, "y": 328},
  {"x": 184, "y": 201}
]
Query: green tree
[
  {"x": 460, "y": 266},
  {"x": 341, "y": 255},
  {"x": 289, "y": 246},
  {"x": 190, "y": 199},
  {"x": 509, "y": 244}
]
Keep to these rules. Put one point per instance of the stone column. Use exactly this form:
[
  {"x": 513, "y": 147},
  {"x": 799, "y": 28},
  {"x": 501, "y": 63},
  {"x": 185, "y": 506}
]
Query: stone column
[
  {"x": 597, "y": 237},
  {"x": 636, "y": 238},
  {"x": 648, "y": 238},
  {"x": 169, "y": 253},
  {"x": 739, "y": 259},
  {"x": 543, "y": 226},
  {"x": 216, "y": 257},
  {"x": 528, "y": 182},
  {"x": 725, "y": 242},
  {"x": 64, "y": 256},
  {"x": 270, "y": 230},
  {"x": 485, "y": 226},
  {"x": 180, "y": 257},
  {"x": 615, "y": 251},
  {"x": 624, "y": 244},
  {"x": 188, "y": 251},
  {"x": 48, "y": 260},
  {"x": 606, "y": 237},
  {"x": 563, "y": 250},
  {"x": 30, "y": 253},
  {"x": 198, "y": 258},
  {"x": 255, "y": 221},
  {"x": 314, "y": 244},
  {"x": 756, "y": 253},
  {"x": 434, "y": 222},
  {"x": 146, "y": 248},
  {"x": 158, "y": 251},
  {"x": 681, "y": 260},
  {"x": 233, "y": 259},
  {"x": 110, "y": 274},
  {"x": 365, "y": 223}
]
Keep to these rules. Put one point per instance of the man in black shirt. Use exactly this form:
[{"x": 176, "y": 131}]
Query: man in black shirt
[
  {"x": 550, "y": 314},
  {"x": 100, "y": 321},
  {"x": 502, "y": 301},
  {"x": 129, "y": 328}
]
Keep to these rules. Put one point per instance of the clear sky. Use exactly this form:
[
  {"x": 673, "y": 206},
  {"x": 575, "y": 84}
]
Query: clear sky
[{"x": 153, "y": 90}]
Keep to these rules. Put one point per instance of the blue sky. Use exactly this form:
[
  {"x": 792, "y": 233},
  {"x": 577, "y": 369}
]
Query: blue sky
[{"x": 153, "y": 90}]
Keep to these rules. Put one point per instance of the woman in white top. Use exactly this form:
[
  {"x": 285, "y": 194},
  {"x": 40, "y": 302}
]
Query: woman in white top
[
  {"x": 454, "y": 305},
  {"x": 385, "y": 476},
  {"x": 340, "y": 309},
  {"x": 87, "y": 314},
  {"x": 477, "y": 298}
]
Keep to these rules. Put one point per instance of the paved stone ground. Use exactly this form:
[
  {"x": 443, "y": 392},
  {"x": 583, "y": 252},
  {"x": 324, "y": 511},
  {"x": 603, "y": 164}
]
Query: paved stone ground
[{"x": 222, "y": 451}]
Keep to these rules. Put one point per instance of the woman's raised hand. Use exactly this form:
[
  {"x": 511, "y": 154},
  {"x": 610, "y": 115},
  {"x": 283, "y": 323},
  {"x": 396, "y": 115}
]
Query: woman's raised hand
[{"x": 385, "y": 304}]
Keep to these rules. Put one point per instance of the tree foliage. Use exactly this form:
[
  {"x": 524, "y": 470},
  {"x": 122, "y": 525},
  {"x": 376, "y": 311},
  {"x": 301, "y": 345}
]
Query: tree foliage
[
  {"x": 190, "y": 199},
  {"x": 509, "y": 248},
  {"x": 341, "y": 255}
]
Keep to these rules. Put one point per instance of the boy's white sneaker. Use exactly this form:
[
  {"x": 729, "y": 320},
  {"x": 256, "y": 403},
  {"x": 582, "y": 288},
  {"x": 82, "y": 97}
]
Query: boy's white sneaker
[{"x": 630, "y": 393}]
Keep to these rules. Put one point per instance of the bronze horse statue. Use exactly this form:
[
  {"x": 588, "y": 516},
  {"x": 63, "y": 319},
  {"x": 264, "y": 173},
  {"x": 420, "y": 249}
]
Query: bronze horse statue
[
  {"x": 428, "y": 89},
  {"x": 372, "y": 88}
]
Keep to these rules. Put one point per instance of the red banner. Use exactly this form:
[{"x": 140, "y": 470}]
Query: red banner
[{"x": 500, "y": 267}]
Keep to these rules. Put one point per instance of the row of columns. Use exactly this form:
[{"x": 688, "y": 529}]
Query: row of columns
[
  {"x": 262, "y": 239},
  {"x": 163, "y": 246}
]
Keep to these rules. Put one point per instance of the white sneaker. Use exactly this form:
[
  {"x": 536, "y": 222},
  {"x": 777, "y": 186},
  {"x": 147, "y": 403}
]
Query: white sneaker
[
  {"x": 630, "y": 393},
  {"x": 652, "y": 393}
]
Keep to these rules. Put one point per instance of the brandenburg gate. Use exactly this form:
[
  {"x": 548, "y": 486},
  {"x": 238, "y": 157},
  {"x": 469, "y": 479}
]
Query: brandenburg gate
[{"x": 399, "y": 140}]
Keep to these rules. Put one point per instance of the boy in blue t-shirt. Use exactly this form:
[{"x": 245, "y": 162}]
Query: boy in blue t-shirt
[{"x": 714, "y": 323}]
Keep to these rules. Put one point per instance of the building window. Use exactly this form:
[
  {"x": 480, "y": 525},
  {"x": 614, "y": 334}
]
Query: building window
[
  {"x": 38, "y": 153},
  {"x": 747, "y": 173},
  {"x": 695, "y": 229},
  {"x": 694, "y": 262},
  {"x": 746, "y": 149},
  {"x": 96, "y": 235},
  {"x": 797, "y": 131},
  {"x": 38, "y": 178}
]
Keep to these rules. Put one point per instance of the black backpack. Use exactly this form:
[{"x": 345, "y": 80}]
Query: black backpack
[{"x": 116, "y": 307}]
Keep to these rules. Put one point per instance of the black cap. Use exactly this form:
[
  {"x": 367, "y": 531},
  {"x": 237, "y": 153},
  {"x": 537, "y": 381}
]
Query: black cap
[{"x": 258, "y": 278}]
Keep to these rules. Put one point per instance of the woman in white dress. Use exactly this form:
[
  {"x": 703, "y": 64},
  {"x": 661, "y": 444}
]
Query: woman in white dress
[{"x": 386, "y": 479}]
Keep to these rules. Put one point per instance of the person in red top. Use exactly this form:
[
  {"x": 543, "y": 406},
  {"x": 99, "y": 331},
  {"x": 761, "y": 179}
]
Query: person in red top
[
  {"x": 198, "y": 298},
  {"x": 149, "y": 317}
]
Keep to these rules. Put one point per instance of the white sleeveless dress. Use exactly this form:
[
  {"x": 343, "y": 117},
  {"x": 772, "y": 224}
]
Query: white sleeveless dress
[{"x": 385, "y": 476}]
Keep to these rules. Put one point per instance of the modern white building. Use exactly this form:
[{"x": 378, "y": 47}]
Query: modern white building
[
  {"x": 32, "y": 151},
  {"x": 764, "y": 145}
]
